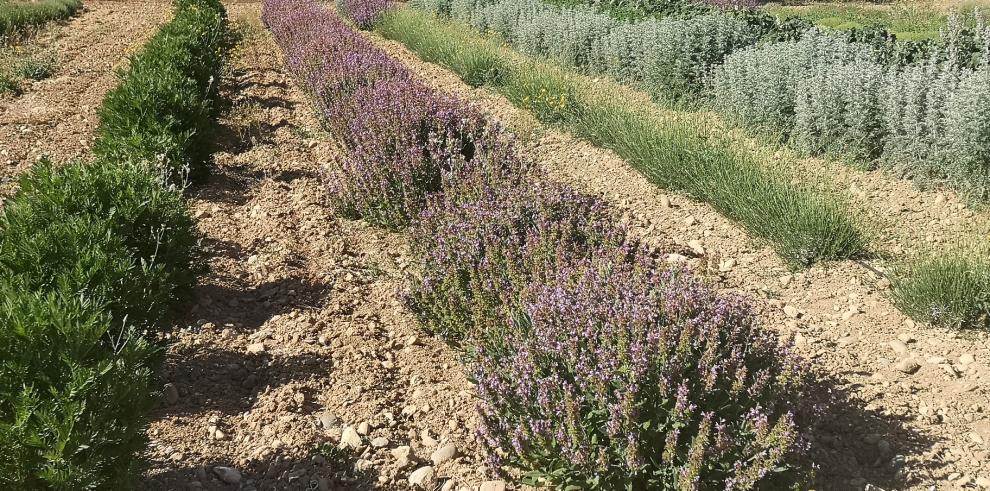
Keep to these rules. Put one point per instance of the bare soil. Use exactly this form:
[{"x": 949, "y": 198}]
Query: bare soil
[{"x": 56, "y": 117}]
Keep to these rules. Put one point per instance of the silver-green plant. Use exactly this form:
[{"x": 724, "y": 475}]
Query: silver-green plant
[
  {"x": 757, "y": 87},
  {"x": 838, "y": 111}
]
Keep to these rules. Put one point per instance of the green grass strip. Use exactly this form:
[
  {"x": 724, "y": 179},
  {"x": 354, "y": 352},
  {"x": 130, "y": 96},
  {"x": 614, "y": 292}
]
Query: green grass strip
[
  {"x": 19, "y": 15},
  {"x": 803, "y": 226}
]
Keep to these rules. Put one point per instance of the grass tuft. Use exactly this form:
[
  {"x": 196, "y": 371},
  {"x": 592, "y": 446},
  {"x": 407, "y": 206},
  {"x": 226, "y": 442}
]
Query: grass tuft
[{"x": 951, "y": 290}]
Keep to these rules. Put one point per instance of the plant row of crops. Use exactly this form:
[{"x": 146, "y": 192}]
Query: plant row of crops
[
  {"x": 912, "y": 108},
  {"x": 802, "y": 224},
  {"x": 16, "y": 15},
  {"x": 96, "y": 258},
  {"x": 596, "y": 368}
]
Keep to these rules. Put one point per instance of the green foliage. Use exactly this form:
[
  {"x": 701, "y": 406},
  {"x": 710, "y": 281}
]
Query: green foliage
[
  {"x": 36, "y": 67},
  {"x": 163, "y": 109},
  {"x": 93, "y": 258},
  {"x": 72, "y": 404},
  {"x": 78, "y": 227},
  {"x": 477, "y": 61},
  {"x": 19, "y": 15},
  {"x": 803, "y": 226},
  {"x": 948, "y": 289}
]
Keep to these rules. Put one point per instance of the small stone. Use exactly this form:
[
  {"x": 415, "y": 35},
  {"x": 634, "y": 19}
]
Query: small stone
[
  {"x": 256, "y": 348},
  {"x": 350, "y": 438},
  {"x": 983, "y": 482},
  {"x": 727, "y": 265},
  {"x": 379, "y": 442},
  {"x": 905, "y": 338},
  {"x": 976, "y": 438},
  {"x": 847, "y": 341},
  {"x": 427, "y": 440},
  {"x": 327, "y": 420},
  {"x": 401, "y": 455},
  {"x": 966, "y": 359},
  {"x": 665, "y": 202},
  {"x": 228, "y": 475},
  {"x": 171, "y": 394},
  {"x": 423, "y": 478},
  {"x": 908, "y": 365},
  {"x": 363, "y": 428},
  {"x": 443, "y": 454},
  {"x": 899, "y": 347},
  {"x": 791, "y": 311},
  {"x": 936, "y": 360},
  {"x": 492, "y": 486},
  {"x": 690, "y": 220},
  {"x": 696, "y": 247},
  {"x": 676, "y": 258},
  {"x": 786, "y": 280}
]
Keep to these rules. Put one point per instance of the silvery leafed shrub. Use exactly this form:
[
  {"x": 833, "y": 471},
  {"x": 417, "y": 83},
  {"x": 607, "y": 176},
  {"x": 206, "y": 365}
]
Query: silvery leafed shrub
[
  {"x": 967, "y": 135},
  {"x": 915, "y": 104},
  {"x": 839, "y": 110},
  {"x": 672, "y": 56},
  {"x": 757, "y": 87},
  {"x": 612, "y": 375}
]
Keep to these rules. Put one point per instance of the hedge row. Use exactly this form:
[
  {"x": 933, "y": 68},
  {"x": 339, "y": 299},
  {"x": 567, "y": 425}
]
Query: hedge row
[
  {"x": 94, "y": 258},
  {"x": 595, "y": 367},
  {"x": 18, "y": 15}
]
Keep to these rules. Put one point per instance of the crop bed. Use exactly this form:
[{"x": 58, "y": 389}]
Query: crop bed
[{"x": 378, "y": 250}]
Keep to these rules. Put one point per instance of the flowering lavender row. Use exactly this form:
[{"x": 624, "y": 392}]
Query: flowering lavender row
[
  {"x": 403, "y": 140},
  {"x": 594, "y": 366}
]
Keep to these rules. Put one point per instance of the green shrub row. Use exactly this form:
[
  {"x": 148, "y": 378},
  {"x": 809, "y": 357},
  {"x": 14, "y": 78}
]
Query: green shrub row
[
  {"x": 94, "y": 257},
  {"x": 803, "y": 226},
  {"x": 18, "y": 15}
]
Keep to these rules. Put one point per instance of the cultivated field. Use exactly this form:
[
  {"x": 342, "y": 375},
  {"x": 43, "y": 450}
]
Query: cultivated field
[{"x": 494, "y": 244}]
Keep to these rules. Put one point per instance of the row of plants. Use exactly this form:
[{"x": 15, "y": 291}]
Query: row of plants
[
  {"x": 597, "y": 367},
  {"x": 857, "y": 95},
  {"x": 952, "y": 289},
  {"x": 802, "y": 225},
  {"x": 18, "y": 15},
  {"x": 95, "y": 259}
]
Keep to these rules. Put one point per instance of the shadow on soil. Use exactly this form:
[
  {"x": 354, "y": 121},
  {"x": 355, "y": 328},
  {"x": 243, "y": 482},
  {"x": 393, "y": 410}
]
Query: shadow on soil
[{"x": 854, "y": 447}]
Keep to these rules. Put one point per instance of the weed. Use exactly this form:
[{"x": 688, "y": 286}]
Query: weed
[{"x": 36, "y": 67}]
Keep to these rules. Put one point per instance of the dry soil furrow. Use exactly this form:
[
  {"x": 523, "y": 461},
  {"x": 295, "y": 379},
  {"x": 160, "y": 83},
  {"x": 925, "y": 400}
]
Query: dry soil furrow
[
  {"x": 890, "y": 429},
  {"x": 298, "y": 341},
  {"x": 57, "y": 117}
]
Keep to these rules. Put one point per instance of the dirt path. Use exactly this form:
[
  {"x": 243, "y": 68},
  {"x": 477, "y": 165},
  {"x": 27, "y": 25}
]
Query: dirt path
[
  {"x": 298, "y": 340},
  {"x": 893, "y": 430},
  {"x": 57, "y": 116}
]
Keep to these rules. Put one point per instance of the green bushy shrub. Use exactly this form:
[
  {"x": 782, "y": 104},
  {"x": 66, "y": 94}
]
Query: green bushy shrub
[
  {"x": 163, "y": 109},
  {"x": 80, "y": 224},
  {"x": 72, "y": 404},
  {"x": 951, "y": 289},
  {"x": 93, "y": 258}
]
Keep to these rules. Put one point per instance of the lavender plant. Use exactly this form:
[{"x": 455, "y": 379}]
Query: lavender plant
[
  {"x": 481, "y": 243},
  {"x": 400, "y": 136},
  {"x": 615, "y": 376}
]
